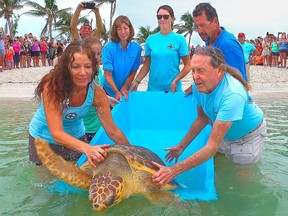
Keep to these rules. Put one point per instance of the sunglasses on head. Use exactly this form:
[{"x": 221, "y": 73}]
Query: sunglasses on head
[{"x": 165, "y": 17}]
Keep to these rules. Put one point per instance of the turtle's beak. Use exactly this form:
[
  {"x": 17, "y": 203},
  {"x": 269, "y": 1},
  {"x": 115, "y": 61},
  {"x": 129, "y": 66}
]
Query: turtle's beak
[{"x": 100, "y": 204}]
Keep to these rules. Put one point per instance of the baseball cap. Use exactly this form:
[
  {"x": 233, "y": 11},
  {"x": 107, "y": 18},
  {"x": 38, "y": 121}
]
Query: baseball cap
[
  {"x": 86, "y": 24},
  {"x": 241, "y": 34}
]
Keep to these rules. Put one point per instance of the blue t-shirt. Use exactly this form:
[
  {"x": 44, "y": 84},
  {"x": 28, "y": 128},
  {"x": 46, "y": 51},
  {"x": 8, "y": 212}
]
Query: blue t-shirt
[
  {"x": 230, "y": 102},
  {"x": 165, "y": 52},
  {"x": 248, "y": 49},
  {"x": 120, "y": 63},
  {"x": 232, "y": 51},
  {"x": 283, "y": 46},
  {"x": 72, "y": 118}
]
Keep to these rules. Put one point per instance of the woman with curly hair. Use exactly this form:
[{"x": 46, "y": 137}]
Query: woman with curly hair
[{"x": 66, "y": 95}]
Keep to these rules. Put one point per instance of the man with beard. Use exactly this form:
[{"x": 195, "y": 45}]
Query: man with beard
[{"x": 207, "y": 23}]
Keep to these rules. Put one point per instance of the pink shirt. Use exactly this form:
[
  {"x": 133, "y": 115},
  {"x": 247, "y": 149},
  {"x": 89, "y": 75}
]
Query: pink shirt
[{"x": 16, "y": 47}]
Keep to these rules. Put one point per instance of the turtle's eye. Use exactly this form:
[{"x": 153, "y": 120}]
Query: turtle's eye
[{"x": 110, "y": 200}]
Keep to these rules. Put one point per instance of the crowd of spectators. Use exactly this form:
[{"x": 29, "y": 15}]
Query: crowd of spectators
[
  {"x": 272, "y": 50},
  {"x": 28, "y": 51}
]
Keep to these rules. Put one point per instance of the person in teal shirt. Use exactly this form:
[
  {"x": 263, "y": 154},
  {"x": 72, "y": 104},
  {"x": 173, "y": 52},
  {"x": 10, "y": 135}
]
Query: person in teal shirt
[
  {"x": 223, "y": 101},
  {"x": 275, "y": 52},
  {"x": 163, "y": 53},
  {"x": 249, "y": 50},
  {"x": 66, "y": 94},
  {"x": 91, "y": 121}
]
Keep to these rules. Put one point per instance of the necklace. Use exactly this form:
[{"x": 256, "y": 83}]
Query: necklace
[{"x": 75, "y": 93}]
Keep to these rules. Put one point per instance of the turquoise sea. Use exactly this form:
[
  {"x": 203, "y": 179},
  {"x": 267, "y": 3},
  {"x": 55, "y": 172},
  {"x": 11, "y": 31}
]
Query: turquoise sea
[{"x": 260, "y": 189}]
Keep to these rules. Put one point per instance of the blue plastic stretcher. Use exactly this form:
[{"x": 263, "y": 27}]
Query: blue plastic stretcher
[{"x": 157, "y": 120}]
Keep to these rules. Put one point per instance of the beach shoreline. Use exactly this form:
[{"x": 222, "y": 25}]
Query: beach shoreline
[{"x": 265, "y": 82}]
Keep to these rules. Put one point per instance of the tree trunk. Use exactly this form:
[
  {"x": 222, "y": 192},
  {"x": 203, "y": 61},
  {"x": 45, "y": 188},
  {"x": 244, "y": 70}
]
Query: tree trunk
[
  {"x": 189, "y": 41},
  {"x": 10, "y": 27},
  {"x": 50, "y": 27}
]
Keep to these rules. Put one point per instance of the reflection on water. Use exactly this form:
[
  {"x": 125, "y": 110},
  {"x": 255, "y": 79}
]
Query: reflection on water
[{"x": 260, "y": 189}]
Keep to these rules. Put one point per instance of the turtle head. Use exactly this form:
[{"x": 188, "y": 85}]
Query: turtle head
[{"x": 106, "y": 190}]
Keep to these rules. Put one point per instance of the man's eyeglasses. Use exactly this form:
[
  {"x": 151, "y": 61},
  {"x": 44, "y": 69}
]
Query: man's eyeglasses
[{"x": 165, "y": 17}]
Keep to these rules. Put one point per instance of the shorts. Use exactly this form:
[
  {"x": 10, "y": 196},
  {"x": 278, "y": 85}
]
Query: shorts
[
  {"x": 16, "y": 58},
  {"x": 64, "y": 152},
  {"x": 275, "y": 53},
  {"x": 266, "y": 52},
  {"x": 2, "y": 52},
  {"x": 90, "y": 136},
  {"x": 247, "y": 149},
  {"x": 8, "y": 63},
  {"x": 35, "y": 53}
]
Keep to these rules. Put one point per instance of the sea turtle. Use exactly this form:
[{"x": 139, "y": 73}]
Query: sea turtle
[{"x": 126, "y": 170}]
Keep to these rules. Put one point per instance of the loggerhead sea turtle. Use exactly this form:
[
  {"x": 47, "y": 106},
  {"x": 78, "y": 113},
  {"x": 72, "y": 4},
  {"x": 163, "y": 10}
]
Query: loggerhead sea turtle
[{"x": 126, "y": 170}]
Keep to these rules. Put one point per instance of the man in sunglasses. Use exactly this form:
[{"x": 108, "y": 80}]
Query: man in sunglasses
[{"x": 207, "y": 23}]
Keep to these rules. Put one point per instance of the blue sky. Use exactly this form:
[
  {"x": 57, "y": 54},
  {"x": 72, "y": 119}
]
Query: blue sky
[{"x": 253, "y": 17}]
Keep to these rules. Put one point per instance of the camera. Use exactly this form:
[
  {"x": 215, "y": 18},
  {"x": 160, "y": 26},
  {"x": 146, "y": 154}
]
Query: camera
[{"x": 89, "y": 5}]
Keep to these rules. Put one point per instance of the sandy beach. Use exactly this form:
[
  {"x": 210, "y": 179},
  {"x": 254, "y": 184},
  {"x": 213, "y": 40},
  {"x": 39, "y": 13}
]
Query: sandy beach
[{"x": 21, "y": 83}]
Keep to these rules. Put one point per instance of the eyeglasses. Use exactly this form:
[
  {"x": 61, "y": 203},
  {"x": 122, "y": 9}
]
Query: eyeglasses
[{"x": 165, "y": 17}]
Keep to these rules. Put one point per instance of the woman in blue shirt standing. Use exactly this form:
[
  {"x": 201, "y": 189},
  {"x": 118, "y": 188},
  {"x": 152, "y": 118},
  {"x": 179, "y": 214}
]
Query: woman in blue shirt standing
[
  {"x": 121, "y": 58},
  {"x": 163, "y": 52}
]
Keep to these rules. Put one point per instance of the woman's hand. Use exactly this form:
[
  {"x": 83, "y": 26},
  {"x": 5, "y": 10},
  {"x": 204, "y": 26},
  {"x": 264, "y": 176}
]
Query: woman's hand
[
  {"x": 112, "y": 101},
  {"x": 173, "y": 86},
  {"x": 188, "y": 91},
  {"x": 96, "y": 154},
  {"x": 118, "y": 96},
  {"x": 164, "y": 175},
  {"x": 134, "y": 86},
  {"x": 124, "y": 92},
  {"x": 173, "y": 153}
]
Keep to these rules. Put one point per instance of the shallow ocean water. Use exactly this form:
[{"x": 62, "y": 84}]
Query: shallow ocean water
[{"x": 260, "y": 189}]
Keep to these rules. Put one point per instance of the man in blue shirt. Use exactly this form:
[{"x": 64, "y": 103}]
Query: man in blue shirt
[
  {"x": 223, "y": 101},
  {"x": 248, "y": 49},
  {"x": 207, "y": 23}
]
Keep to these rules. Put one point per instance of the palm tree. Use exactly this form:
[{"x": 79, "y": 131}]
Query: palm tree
[
  {"x": 187, "y": 27},
  {"x": 143, "y": 34},
  {"x": 7, "y": 8},
  {"x": 63, "y": 23},
  {"x": 104, "y": 35},
  {"x": 50, "y": 11},
  {"x": 112, "y": 8}
]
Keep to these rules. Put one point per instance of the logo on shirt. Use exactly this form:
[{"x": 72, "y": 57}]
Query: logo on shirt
[
  {"x": 71, "y": 116},
  {"x": 170, "y": 47}
]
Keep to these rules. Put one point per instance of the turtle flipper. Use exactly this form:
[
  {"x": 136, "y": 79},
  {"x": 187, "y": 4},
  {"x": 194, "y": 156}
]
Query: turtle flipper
[{"x": 61, "y": 168}]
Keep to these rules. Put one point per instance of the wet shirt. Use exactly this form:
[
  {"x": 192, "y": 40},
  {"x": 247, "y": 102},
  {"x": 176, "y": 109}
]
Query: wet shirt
[
  {"x": 230, "y": 102},
  {"x": 72, "y": 118}
]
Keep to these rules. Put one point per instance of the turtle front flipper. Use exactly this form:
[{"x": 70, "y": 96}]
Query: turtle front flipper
[
  {"x": 106, "y": 190},
  {"x": 61, "y": 168}
]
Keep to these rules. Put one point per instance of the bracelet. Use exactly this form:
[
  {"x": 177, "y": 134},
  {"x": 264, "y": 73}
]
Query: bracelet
[{"x": 138, "y": 81}]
